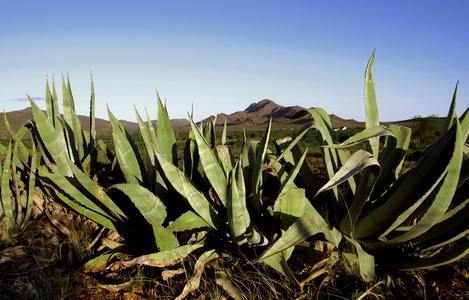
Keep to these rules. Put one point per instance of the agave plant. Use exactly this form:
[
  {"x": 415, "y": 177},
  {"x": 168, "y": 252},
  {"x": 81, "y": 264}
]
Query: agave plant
[
  {"x": 248, "y": 203},
  {"x": 401, "y": 220},
  {"x": 17, "y": 185},
  {"x": 69, "y": 154}
]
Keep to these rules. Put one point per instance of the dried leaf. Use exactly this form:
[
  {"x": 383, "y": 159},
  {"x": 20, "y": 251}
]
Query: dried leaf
[
  {"x": 194, "y": 281},
  {"x": 167, "y": 274},
  {"x": 227, "y": 285}
]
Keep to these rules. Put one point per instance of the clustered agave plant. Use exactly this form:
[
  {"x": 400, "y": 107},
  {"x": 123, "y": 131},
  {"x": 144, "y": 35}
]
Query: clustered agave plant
[
  {"x": 401, "y": 220},
  {"x": 259, "y": 204}
]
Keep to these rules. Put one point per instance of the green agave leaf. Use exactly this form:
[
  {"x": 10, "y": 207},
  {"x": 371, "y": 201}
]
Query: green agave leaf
[
  {"x": 149, "y": 205},
  {"x": 237, "y": 212},
  {"x": 303, "y": 228},
  {"x": 94, "y": 189},
  {"x": 55, "y": 103},
  {"x": 7, "y": 209},
  {"x": 295, "y": 141},
  {"x": 450, "y": 117},
  {"x": 16, "y": 185},
  {"x": 32, "y": 162},
  {"x": 356, "y": 163},
  {"x": 370, "y": 168},
  {"x": 188, "y": 221},
  {"x": 150, "y": 156},
  {"x": 191, "y": 158},
  {"x": 323, "y": 125},
  {"x": 104, "y": 220},
  {"x": 223, "y": 135},
  {"x": 71, "y": 191},
  {"x": 278, "y": 262},
  {"x": 154, "y": 211},
  {"x": 210, "y": 135},
  {"x": 17, "y": 139},
  {"x": 464, "y": 120},
  {"x": 331, "y": 159},
  {"x": 331, "y": 233},
  {"x": 165, "y": 238},
  {"x": 193, "y": 196},
  {"x": 366, "y": 261},
  {"x": 91, "y": 144},
  {"x": 440, "y": 200},
  {"x": 257, "y": 171},
  {"x": 53, "y": 139},
  {"x": 392, "y": 158},
  {"x": 413, "y": 188},
  {"x": 51, "y": 104},
  {"x": 225, "y": 158},
  {"x": 364, "y": 135},
  {"x": 292, "y": 206},
  {"x": 211, "y": 166},
  {"x": 371, "y": 106},
  {"x": 166, "y": 139},
  {"x": 126, "y": 152},
  {"x": 292, "y": 156},
  {"x": 239, "y": 219},
  {"x": 418, "y": 263},
  {"x": 288, "y": 183},
  {"x": 73, "y": 128},
  {"x": 109, "y": 154},
  {"x": 97, "y": 264}
]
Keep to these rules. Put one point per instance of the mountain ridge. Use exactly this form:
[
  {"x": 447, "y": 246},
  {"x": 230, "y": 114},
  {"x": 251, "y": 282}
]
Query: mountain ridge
[{"x": 255, "y": 116}]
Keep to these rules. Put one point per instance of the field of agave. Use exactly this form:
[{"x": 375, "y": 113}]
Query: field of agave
[{"x": 178, "y": 217}]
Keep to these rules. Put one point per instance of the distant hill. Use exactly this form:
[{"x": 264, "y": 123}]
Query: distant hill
[
  {"x": 255, "y": 116},
  {"x": 103, "y": 127},
  {"x": 258, "y": 114}
]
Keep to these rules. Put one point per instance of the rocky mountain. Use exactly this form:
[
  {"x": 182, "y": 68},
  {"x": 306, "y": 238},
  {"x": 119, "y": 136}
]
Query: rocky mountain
[{"x": 258, "y": 114}]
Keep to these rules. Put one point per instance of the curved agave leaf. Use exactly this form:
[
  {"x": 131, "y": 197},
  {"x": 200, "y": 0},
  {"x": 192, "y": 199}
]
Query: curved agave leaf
[
  {"x": 407, "y": 264},
  {"x": 292, "y": 156},
  {"x": 187, "y": 221},
  {"x": 303, "y": 228},
  {"x": 371, "y": 106},
  {"x": 52, "y": 103},
  {"x": 193, "y": 196},
  {"x": 223, "y": 135},
  {"x": 413, "y": 188},
  {"x": 257, "y": 171},
  {"x": 356, "y": 163},
  {"x": 166, "y": 139},
  {"x": 392, "y": 159},
  {"x": 366, "y": 262},
  {"x": 364, "y": 135},
  {"x": 237, "y": 212},
  {"x": 288, "y": 183},
  {"x": 295, "y": 141},
  {"x": 154, "y": 211},
  {"x": 149, "y": 139},
  {"x": 127, "y": 154},
  {"x": 6, "y": 205},
  {"x": 32, "y": 163},
  {"x": 279, "y": 263},
  {"x": 450, "y": 117},
  {"x": 151, "y": 207},
  {"x": 211, "y": 166},
  {"x": 95, "y": 190},
  {"x": 439, "y": 199},
  {"x": 53, "y": 139},
  {"x": 73, "y": 128}
]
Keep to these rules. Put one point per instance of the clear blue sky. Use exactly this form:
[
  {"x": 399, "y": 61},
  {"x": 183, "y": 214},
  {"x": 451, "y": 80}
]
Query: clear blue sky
[{"x": 224, "y": 55}]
